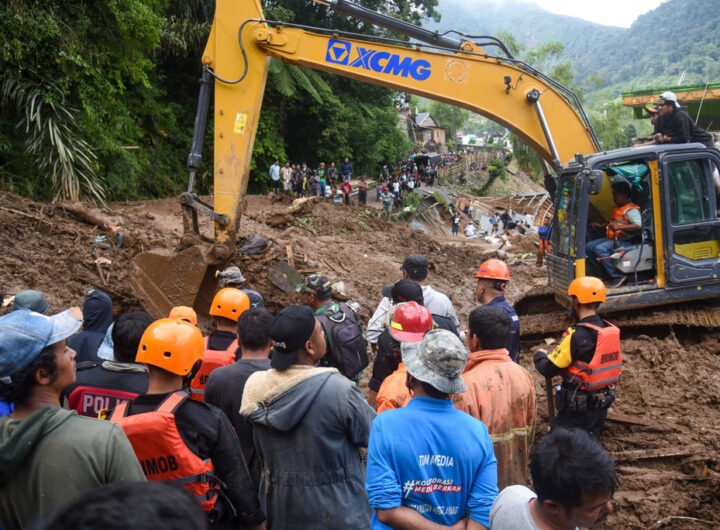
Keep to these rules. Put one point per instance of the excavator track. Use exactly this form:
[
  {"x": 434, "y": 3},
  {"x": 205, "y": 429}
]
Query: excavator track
[{"x": 541, "y": 316}]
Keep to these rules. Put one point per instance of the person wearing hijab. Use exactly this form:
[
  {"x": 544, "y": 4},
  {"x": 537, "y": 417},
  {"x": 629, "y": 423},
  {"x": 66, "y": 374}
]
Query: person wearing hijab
[{"x": 97, "y": 317}]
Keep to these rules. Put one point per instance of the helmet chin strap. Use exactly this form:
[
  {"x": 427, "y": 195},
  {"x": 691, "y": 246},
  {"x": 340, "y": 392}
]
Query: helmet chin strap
[{"x": 191, "y": 375}]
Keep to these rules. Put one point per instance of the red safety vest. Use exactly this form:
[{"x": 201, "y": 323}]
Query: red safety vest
[
  {"x": 161, "y": 451},
  {"x": 89, "y": 400},
  {"x": 604, "y": 368},
  {"x": 211, "y": 359},
  {"x": 619, "y": 214}
]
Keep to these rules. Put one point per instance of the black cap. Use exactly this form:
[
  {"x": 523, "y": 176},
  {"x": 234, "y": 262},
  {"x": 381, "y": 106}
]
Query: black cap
[
  {"x": 415, "y": 265},
  {"x": 291, "y": 328},
  {"x": 406, "y": 291}
]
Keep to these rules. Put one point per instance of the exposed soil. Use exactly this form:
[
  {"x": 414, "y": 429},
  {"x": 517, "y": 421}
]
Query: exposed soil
[{"x": 667, "y": 402}]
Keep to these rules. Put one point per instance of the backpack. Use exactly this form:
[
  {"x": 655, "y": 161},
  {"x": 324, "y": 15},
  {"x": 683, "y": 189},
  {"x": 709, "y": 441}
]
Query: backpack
[{"x": 346, "y": 343}]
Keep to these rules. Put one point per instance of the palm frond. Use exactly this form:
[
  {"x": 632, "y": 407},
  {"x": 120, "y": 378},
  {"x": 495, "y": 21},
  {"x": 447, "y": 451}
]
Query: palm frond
[
  {"x": 52, "y": 138},
  {"x": 304, "y": 82}
]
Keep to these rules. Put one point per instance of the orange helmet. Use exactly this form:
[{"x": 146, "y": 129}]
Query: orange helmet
[
  {"x": 587, "y": 289},
  {"x": 229, "y": 303},
  {"x": 494, "y": 269},
  {"x": 410, "y": 322},
  {"x": 182, "y": 312},
  {"x": 173, "y": 345}
]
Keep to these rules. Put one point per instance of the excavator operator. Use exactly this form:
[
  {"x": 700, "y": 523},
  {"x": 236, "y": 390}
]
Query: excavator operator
[{"x": 624, "y": 220}]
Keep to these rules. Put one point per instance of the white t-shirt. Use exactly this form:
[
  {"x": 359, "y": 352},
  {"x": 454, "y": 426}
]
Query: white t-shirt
[
  {"x": 470, "y": 230},
  {"x": 511, "y": 510}
]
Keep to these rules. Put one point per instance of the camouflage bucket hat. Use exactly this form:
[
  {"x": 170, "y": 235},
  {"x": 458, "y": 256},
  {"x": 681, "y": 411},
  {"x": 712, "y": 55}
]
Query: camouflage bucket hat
[
  {"x": 317, "y": 285},
  {"x": 438, "y": 360}
]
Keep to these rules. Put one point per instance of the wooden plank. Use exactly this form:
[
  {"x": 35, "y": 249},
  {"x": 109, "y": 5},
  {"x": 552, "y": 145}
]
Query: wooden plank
[
  {"x": 290, "y": 256},
  {"x": 650, "y": 454}
]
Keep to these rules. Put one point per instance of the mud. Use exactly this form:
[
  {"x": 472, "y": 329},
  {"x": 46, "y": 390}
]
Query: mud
[{"x": 670, "y": 387}]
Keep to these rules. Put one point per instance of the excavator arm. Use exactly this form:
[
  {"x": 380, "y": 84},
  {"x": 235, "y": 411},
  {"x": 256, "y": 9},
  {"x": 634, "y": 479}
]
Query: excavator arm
[{"x": 546, "y": 115}]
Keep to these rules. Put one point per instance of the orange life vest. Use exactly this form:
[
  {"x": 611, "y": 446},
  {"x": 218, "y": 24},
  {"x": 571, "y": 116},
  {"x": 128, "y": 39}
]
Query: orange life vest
[
  {"x": 604, "y": 368},
  {"x": 162, "y": 452},
  {"x": 619, "y": 214},
  {"x": 211, "y": 359}
]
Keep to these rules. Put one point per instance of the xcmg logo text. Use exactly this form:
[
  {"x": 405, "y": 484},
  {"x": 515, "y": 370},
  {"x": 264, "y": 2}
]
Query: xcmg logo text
[{"x": 340, "y": 52}]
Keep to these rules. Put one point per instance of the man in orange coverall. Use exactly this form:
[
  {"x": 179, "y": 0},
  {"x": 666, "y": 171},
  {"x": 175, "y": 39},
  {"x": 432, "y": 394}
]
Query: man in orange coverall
[{"x": 500, "y": 393}]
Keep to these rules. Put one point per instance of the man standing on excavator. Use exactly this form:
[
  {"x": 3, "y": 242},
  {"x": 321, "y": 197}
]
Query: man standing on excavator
[{"x": 588, "y": 359}]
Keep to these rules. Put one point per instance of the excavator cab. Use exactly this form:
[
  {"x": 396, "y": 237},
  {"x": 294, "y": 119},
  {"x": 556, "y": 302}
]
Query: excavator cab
[{"x": 675, "y": 256}]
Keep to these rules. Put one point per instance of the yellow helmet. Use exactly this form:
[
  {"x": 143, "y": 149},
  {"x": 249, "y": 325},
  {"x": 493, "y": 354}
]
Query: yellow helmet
[
  {"x": 171, "y": 344},
  {"x": 229, "y": 303},
  {"x": 587, "y": 289}
]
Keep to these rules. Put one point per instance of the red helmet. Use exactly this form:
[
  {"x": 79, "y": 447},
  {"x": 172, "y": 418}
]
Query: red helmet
[
  {"x": 494, "y": 269},
  {"x": 410, "y": 322}
]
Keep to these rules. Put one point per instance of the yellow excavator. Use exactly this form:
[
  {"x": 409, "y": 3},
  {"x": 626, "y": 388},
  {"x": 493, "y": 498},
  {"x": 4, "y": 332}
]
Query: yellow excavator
[{"x": 675, "y": 258}]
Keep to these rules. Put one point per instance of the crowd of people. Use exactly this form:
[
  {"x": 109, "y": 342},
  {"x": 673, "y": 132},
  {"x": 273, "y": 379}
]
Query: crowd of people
[
  {"x": 392, "y": 183},
  {"x": 262, "y": 421}
]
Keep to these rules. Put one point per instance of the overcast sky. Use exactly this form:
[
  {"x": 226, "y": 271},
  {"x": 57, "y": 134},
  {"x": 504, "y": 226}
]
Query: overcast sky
[{"x": 608, "y": 12}]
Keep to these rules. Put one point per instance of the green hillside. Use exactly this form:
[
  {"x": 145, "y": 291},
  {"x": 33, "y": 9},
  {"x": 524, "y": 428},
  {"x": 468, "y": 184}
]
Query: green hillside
[{"x": 678, "y": 36}]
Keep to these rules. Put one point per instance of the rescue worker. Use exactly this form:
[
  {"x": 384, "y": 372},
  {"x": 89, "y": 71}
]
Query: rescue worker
[
  {"x": 544, "y": 235},
  {"x": 493, "y": 277},
  {"x": 625, "y": 218},
  {"x": 185, "y": 313},
  {"x": 179, "y": 439},
  {"x": 500, "y": 393},
  {"x": 409, "y": 323},
  {"x": 589, "y": 360},
  {"x": 220, "y": 346}
]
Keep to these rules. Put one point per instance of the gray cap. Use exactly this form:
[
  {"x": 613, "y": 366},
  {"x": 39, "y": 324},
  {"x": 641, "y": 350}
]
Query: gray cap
[
  {"x": 32, "y": 300},
  {"x": 438, "y": 359}
]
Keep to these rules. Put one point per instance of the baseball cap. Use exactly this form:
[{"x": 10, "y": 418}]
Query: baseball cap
[
  {"x": 183, "y": 312},
  {"x": 670, "y": 96},
  {"x": 652, "y": 109},
  {"x": 32, "y": 300},
  {"x": 24, "y": 334},
  {"x": 415, "y": 264},
  {"x": 405, "y": 290},
  {"x": 256, "y": 299},
  {"x": 438, "y": 359},
  {"x": 291, "y": 328},
  {"x": 317, "y": 285}
]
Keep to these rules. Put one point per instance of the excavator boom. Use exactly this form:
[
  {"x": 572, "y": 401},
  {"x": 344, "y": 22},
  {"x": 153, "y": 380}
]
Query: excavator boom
[{"x": 237, "y": 55}]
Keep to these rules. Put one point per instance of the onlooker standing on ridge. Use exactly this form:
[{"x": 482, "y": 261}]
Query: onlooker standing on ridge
[
  {"x": 286, "y": 177},
  {"x": 346, "y": 169},
  {"x": 428, "y": 462},
  {"x": 308, "y": 425},
  {"x": 225, "y": 387},
  {"x": 97, "y": 318},
  {"x": 455, "y": 224},
  {"x": 362, "y": 190},
  {"x": 500, "y": 393},
  {"x": 346, "y": 189},
  {"x": 332, "y": 175},
  {"x": 492, "y": 279},
  {"x": 574, "y": 480},
  {"x": 104, "y": 385},
  {"x": 49, "y": 456},
  {"x": 275, "y": 176},
  {"x": 414, "y": 267},
  {"x": 588, "y": 358}
]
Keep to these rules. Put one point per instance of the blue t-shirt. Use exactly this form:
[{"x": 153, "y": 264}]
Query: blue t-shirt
[
  {"x": 513, "y": 342},
  {"x": 432, "y": 458}
]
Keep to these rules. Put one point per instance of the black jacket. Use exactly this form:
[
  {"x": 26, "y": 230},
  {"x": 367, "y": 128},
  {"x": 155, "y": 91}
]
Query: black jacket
[
  {"x": 681, "y": 129},
  {"x": 207, "y": 432}
]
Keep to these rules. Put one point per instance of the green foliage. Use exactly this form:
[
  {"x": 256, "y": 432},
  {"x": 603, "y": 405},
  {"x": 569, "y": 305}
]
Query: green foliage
[
  {"x": 497, "y": 169},
  {"x": 412, "y": 200}
]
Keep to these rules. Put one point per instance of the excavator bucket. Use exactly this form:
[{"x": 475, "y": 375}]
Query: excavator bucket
[{"x": 165, "y": 278}]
